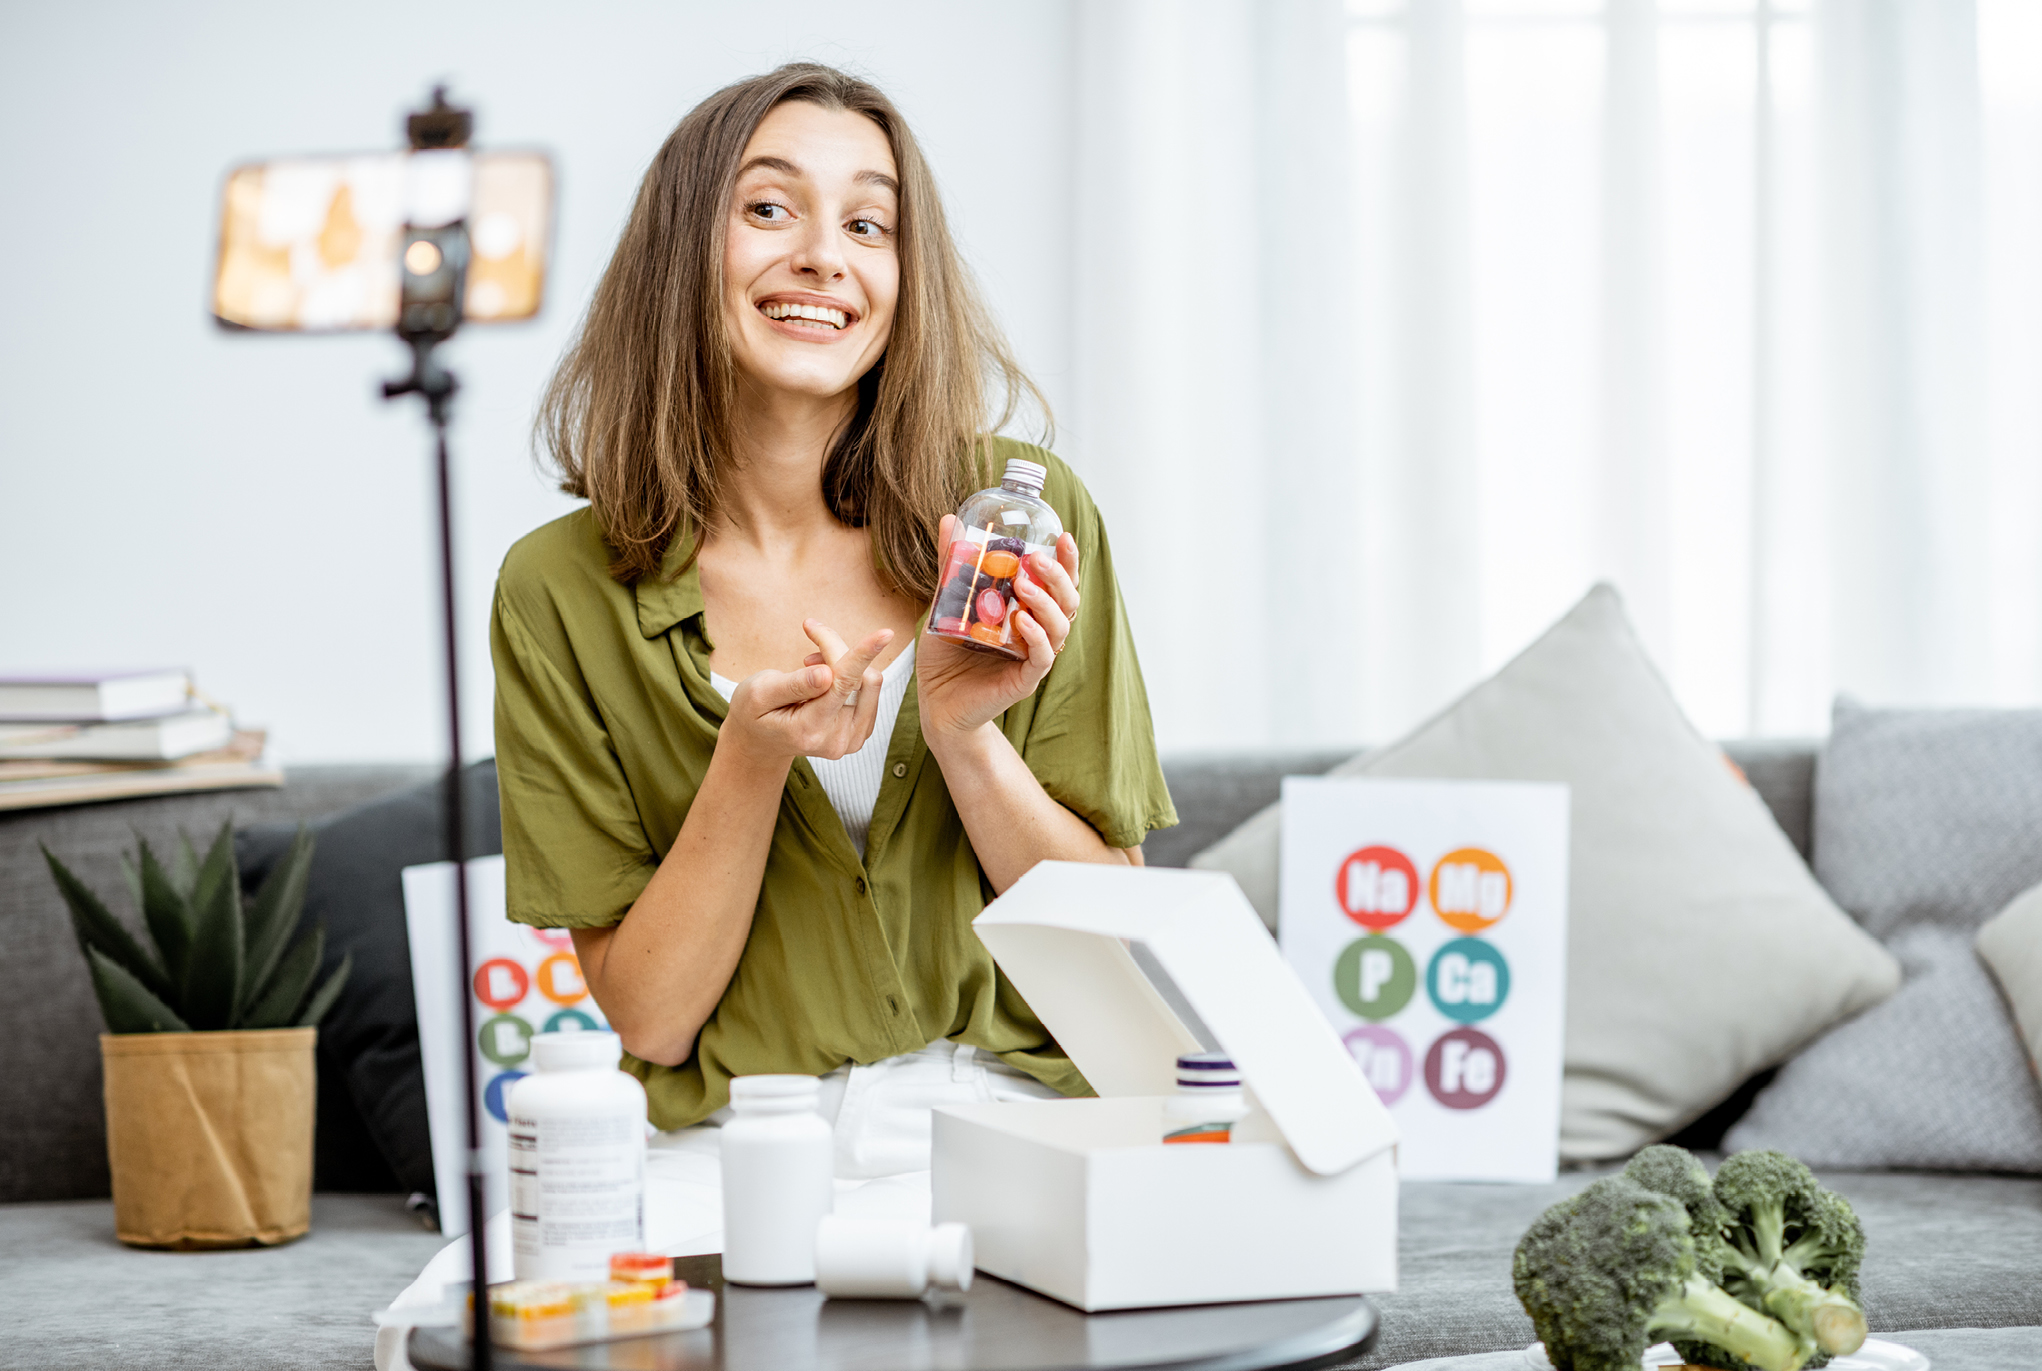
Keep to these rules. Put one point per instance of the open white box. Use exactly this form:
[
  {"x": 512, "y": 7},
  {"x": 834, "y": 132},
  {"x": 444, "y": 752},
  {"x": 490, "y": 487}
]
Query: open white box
[{"x": 1080, "y": 1199}]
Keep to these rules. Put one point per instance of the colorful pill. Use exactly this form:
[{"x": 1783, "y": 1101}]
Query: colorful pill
[
  {"x": 619, "y": 1294},
  {"x": 999, "y": 564},
  {"x": 531, "y": 1300},
  {"x": 991, "y": 608},
  {"x": 640, "y": 1266}
]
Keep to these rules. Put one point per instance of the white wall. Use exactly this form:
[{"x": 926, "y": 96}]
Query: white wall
[{"x": 248, "y": 506}]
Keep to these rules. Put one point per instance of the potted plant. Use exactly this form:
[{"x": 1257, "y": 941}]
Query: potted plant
[{"x": 208, "y": 1051}]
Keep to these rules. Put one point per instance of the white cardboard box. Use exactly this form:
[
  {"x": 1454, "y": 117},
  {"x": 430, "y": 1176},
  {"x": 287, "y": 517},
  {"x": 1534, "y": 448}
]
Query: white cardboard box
[{"x": 1080, "y": 1199}]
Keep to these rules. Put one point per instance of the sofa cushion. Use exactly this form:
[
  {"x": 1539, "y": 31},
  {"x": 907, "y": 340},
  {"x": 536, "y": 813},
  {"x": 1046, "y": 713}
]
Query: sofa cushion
[
  {"x": 1700, "y": 949},
  {"x": 1926, "y": 825},
  {"x": 1214, "y": 792},
  {"x": 2011, "y": 945},
  {"x": 368, "y": 1045}
]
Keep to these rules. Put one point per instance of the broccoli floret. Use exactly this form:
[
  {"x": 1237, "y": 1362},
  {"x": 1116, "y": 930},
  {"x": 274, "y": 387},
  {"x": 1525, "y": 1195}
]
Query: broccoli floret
[
  {"x": 1805, "y": 1242},
  {"x": 1604, "y": 1272},
  {"x": 1674, "y": 1172}
]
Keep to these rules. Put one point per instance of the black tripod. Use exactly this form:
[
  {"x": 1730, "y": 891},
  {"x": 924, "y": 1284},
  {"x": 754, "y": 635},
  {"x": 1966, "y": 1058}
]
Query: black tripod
[{"x": 433, "y": 273}]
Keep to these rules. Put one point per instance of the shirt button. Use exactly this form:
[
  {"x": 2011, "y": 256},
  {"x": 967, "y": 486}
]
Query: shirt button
[
  {"x": 861, "y": 885},
  {"x": 900, "y": 769}
]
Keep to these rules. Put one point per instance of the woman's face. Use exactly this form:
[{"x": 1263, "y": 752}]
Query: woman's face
[{"x": 810, "y": 270}]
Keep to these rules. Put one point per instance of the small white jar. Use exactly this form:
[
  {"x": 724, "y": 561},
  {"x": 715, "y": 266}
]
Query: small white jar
[
  {"x": 1209, "y": 1100},
  {"x": 577, "y": 1159},
  {"x": 890, "y": 1259},
  {"x": 777, "y": 1180}
]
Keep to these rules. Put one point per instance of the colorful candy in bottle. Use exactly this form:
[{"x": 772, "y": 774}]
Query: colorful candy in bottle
[{"x": 996, "y": 530}]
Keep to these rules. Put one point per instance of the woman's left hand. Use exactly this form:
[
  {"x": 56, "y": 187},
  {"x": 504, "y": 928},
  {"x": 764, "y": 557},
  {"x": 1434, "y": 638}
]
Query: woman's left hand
[{"x": 961, "y": 690}]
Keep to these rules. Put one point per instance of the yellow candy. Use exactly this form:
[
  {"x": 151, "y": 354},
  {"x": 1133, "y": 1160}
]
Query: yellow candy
[{"x": 531, "y": 1300}]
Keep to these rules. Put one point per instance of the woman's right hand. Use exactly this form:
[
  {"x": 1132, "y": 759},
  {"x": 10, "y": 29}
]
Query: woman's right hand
[{"x": 826, "y": 709}]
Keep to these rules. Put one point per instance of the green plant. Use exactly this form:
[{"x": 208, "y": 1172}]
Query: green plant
[
  {"x": 218, "y": 962},
  {"x": 1605, "y": 1271}
]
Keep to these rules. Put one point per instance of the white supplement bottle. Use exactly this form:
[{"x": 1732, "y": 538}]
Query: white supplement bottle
[
  {"x": 1208, "y": 1102},
  {"x": 777, "y": 1180},
  {"x": 890, "y": 1259},
  {"x": 577, "y": 1159}
]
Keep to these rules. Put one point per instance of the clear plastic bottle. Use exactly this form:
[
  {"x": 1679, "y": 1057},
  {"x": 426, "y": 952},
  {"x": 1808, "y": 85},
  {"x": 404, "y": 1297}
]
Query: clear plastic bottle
[
  {"x": 996, "y": 529},
  {"x": 777, "y": 1180},
  {"x": 1208, "y": 1103},
  {"x": 577, "y": 1159}
]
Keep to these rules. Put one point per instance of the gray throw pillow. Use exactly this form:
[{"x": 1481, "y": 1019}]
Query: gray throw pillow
[
  {"x": 1699, "y": 947},
  {"x": 2012, "y": 946},
  {"x": 1927, "y": 823}
]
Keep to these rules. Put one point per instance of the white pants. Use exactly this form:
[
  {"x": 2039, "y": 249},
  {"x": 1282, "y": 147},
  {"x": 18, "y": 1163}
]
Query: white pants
[{"x": 881, "y": 1114}]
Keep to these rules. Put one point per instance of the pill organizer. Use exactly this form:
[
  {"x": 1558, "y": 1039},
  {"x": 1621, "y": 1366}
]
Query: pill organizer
[{"x": 538, "y": 1316}]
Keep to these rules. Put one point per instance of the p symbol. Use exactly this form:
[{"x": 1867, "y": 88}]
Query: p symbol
[
  {"x": 1374, "y": 977},
  {"x": 1378, "y": 968}
]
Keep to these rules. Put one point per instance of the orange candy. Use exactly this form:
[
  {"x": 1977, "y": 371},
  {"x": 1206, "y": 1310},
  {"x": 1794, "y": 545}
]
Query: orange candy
[
  {"x": 986, "y": 633},
  {"x": 999, "y": 564}
]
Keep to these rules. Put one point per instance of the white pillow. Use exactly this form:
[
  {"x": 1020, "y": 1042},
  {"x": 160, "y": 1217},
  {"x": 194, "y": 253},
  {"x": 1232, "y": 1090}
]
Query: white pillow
[
  {"x": 2012, "y": 946},
  {"x": 1700, "y": 948}
]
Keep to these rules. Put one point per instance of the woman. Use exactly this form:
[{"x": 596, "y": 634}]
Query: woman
[
  {"x": 766, "y": 804},
  {"x": 774, "y": 403}
]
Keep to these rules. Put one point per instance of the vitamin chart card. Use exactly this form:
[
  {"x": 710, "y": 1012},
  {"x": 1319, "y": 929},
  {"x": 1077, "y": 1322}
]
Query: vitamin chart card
[
  {"x": 1429, "y": 921},
  {"x": 526, "y": 981}
]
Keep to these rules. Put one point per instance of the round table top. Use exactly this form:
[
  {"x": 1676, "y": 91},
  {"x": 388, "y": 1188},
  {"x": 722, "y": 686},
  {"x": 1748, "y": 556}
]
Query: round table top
[{"x": 994, "y": 1327}]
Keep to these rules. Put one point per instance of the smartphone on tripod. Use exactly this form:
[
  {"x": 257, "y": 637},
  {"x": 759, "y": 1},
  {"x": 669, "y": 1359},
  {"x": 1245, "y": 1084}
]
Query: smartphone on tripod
[{"x": 324, "y": 244}]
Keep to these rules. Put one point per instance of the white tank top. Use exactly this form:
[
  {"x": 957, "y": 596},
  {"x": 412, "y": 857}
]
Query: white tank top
[{"x": 852, "y": 782}]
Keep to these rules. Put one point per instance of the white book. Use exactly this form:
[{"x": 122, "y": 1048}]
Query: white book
[
  {"x": 94, "y": 696},
  {"x": 141, "y": 740}
]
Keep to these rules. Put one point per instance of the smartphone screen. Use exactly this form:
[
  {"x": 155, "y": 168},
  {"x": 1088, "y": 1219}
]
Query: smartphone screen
[{"x": 311, "y": 244}]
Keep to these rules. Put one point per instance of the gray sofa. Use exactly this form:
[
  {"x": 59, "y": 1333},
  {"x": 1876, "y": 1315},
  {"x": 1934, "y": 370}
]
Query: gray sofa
[{"x": 1954, "y": 1268}]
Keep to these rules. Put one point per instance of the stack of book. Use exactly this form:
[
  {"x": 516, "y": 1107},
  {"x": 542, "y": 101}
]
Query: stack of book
[{"x": 86, "y": 736}]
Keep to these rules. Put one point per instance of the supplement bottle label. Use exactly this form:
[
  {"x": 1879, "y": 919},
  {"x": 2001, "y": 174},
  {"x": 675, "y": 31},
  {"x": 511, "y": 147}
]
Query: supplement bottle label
[{"x": 577, "y": 1190}]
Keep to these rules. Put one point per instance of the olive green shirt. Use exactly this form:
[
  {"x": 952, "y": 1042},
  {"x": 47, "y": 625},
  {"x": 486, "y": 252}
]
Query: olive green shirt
[{"x": 605, "y": 724}]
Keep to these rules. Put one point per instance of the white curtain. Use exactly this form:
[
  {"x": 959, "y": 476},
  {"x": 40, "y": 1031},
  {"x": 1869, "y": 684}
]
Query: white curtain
[{"x": 1402, "y": 321}]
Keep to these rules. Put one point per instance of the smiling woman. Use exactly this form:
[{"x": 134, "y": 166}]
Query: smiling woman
[
  {"x": 649, "y": 393},
  {"x": 767, "y": 808}
]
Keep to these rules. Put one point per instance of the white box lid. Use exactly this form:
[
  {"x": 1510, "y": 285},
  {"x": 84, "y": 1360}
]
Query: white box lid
[{"x": 1057, "y": 933}]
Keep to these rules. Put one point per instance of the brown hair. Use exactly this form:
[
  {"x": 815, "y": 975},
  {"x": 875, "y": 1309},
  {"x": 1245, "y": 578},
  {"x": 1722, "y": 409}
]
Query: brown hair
[{"x": 641, "y": 414}]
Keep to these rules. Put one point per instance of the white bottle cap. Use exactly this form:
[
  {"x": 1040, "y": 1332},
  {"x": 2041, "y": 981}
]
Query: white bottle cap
[
  {"x": 577, "y": 1050},
  {"x": 950, "y": 1262},
  {"x": 778, "y": 1094},
  {"x": 1207, "y": 1071},
  {"x": 1021, "y": 471}
]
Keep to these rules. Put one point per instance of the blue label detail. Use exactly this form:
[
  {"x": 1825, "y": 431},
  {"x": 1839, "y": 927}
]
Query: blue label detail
[{"x": 493, "y": 1095}]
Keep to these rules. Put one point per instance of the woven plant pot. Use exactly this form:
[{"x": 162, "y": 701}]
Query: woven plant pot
[{"x": 210, "y": 1136}]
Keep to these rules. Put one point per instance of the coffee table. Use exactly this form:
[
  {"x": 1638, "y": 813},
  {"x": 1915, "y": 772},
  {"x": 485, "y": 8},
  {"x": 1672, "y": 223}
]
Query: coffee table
[{"x": 994, "y": 1327}]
